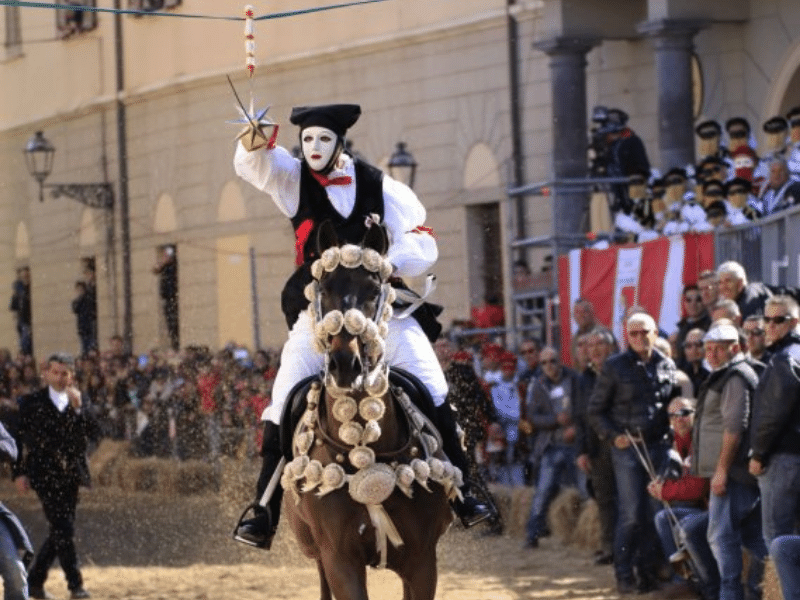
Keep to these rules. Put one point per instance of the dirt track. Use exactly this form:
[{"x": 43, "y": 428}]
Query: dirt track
[{"x": 150, "y": 547}]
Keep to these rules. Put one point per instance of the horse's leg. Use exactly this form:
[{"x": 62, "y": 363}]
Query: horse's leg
[
  {"x": 422, "y": 580},
  {"x": 346, "y": 581},
  {"x": 324, "y": 588}
]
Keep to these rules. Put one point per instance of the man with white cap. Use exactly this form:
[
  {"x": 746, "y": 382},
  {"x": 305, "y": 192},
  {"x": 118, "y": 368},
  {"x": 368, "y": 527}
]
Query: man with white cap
[
  {"x": 720, "y": 453},
  {"x": 327, "y": 184}
]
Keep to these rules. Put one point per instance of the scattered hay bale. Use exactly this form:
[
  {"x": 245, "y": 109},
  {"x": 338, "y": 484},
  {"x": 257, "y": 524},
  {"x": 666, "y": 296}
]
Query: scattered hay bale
[
  {"x": 588, "y": 533},
  {"x": 772, "y": 587},
  {"x": 562, "y": 516},
  {"x": 514, "y": 503},
  {"x": 106, "y": 459}
]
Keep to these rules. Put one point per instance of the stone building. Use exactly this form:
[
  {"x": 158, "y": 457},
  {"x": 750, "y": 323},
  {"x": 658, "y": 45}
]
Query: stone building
[{"x": 487, "y": 94}]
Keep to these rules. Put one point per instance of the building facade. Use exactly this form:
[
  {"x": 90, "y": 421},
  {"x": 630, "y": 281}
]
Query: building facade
[{"x": 486, "y": 94}]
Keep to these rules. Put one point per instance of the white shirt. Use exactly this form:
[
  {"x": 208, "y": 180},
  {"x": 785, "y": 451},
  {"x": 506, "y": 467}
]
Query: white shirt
[
  {"x": 277, "y": 173},
  {"x": 59, "y": 399}
]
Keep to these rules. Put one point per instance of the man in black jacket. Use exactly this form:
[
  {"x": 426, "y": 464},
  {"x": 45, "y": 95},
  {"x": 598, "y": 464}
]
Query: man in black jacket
[
  {"x": 52, "y": 436},
  {"x": 593, "y": 455},
  {"x": 630, "y": 398},
  {"x": 775, "y": 441}
]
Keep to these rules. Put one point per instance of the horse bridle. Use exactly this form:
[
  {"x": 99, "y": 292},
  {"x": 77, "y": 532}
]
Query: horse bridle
[{"x": 371, "y": 331}]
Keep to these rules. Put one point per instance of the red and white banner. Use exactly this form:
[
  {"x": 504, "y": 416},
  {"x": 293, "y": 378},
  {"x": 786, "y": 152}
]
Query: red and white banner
[{"x": 651, "y": 274}]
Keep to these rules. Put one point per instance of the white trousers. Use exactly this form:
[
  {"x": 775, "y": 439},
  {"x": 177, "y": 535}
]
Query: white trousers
[{"x": 407, "y": 347}]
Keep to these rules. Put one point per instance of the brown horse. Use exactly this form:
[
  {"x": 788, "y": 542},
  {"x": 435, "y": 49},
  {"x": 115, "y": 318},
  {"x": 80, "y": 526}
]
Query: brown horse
[{"x": 364, "y": 487}]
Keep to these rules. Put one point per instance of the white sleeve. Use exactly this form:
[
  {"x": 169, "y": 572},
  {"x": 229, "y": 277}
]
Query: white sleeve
[
  {"x": 413, "y": 251},
  {"x": 275, "y": 172}
]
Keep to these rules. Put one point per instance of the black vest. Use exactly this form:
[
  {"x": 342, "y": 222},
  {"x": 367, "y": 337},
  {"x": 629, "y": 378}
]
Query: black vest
[{"x": 314, "y": 209}]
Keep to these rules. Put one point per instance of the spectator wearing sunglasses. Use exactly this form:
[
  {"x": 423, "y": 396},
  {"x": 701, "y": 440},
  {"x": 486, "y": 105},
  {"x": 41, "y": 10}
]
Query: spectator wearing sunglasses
[
  {"x": 693, "y": 355},
  {"x": 776, "y": 421},
  {"x": 733, "y": 285},
  {"x": 754, "y": 333},
  {"x": 630, "y": 398},
  {"x": 687, "y": 496},
  {"x": 695, "y": 317}
]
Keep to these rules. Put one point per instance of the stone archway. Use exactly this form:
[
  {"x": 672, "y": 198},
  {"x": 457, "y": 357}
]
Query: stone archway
[{"x": 784, "y": 92}]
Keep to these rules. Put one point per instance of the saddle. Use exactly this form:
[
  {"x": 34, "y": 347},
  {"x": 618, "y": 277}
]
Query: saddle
[{"x": 297, "y": 402}]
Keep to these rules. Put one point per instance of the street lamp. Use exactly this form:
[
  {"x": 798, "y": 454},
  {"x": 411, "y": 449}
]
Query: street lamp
[
  {"x": 39, "y": 154},
  {"x": 402, "y": 165}
]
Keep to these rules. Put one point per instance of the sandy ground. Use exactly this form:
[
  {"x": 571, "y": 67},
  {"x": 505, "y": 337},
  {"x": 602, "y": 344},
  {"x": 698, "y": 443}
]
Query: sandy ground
[{"x": 143, "y": 546}]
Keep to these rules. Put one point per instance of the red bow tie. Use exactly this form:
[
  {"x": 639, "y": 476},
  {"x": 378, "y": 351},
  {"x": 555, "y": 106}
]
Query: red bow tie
[{"x": 325, "y": 182}]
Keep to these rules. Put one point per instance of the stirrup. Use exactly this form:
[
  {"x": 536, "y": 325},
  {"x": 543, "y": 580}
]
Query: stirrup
[{"x": 267, "y": 543}]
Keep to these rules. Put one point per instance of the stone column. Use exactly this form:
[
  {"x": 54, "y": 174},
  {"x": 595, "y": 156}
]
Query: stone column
[
  {"x": 570, "y": 129},
  {"x": 673, "y": 42}
]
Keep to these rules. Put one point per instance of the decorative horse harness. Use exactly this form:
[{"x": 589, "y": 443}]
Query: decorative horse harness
[{"x": 374, "y": 480}]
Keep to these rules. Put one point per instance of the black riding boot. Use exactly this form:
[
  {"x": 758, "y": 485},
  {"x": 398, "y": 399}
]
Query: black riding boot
[
  {"x": 470, "y": 511},
  {"x": 260, "y": 530}
]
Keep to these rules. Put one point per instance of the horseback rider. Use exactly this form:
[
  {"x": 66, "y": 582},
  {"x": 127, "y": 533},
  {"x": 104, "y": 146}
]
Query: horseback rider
[{"x": 326, "y": 183}]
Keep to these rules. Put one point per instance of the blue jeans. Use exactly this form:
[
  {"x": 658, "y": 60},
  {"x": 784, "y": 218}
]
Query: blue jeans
[
  {"x": 734, "y": 521},
  {"x": 557, "y": 464},
  {"x": 635, "y": 537},
  {"x": 785, "y": 553},
  {"x": 15, "y": 581},
  {"x": 694, "y": 523},
  {"x": 780, "y": 495}
]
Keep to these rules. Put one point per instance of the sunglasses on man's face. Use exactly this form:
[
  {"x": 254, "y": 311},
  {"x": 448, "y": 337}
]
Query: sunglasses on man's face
[
  {"x": 674, "y": 180},
  {"x": 681, "y": 412},
  {"x": 693, "y": 344},
  {"x": 754, "y": 332},
  {"x": 779, "y": 320},
  {"x": 737, "y": 133}
]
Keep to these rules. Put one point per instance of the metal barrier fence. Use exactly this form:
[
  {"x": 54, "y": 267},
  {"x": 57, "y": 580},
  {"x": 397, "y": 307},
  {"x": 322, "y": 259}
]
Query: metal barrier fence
[{"x": 769, "y": 250}]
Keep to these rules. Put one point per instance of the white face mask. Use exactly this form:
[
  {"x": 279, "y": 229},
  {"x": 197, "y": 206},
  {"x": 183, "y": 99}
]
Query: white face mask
[{"x": 319, "y": 144}]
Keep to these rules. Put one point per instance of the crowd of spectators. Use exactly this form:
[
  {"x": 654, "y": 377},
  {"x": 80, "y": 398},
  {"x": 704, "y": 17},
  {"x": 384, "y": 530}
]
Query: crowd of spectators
[
  {"x": 554, "y": 425},
  {"x": 188, "y": 404},
  {"x": 731, "y": 184}
]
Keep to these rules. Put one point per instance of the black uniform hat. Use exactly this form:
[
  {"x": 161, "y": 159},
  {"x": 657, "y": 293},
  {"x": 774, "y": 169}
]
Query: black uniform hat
[
  {"x": 734, "y": 121},
  {"x": 712, "y": 187},
  {"x": 739, "y": 182},
  {"x": 708, "y": 129},
  {"x": 793, "y": 115},
  {"x": 775, "y": 124},
  {"x": 673, "y": 172},
  {"x": 716, "y": 209},
  {"x": 616, "y": 120},
  {"x": 336, "y": 117}
]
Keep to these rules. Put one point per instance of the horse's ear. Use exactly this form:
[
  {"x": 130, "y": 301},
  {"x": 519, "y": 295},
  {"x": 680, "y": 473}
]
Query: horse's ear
[
  {"x": 326, "y": 237},
  {"x": 376, "y": 238}
]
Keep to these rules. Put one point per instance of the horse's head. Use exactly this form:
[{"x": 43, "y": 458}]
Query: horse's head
[{"x": 350, "y": 307}]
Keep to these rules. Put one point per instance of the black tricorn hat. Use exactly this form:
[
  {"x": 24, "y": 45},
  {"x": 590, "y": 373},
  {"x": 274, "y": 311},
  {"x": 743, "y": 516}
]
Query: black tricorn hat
[
  {"x": 738, "y": 182},
  {"x": 733, "y": 121},
  {"x": 775, "y": 125},
  {"x": 336, "y": 117},
  {"x": 708, "y": 129}
]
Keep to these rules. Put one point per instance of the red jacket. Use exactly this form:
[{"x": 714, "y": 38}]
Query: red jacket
[{"x": 689, "y": 488}]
